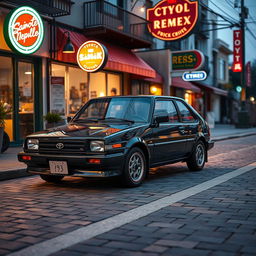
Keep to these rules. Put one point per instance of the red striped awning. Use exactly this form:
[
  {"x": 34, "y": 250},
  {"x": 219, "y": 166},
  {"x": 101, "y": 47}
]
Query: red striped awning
[
  {"x": 179, "y": 83},
  {"x": 119, "y": 59}
]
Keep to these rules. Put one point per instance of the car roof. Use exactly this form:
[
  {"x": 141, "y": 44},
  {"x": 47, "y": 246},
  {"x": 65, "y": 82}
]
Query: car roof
[{"x": 142, "y": 96}]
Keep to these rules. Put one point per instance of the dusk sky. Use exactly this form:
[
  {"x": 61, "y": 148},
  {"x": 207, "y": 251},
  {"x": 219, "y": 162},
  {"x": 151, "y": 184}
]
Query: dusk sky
[{"x": 226, "y": 8}]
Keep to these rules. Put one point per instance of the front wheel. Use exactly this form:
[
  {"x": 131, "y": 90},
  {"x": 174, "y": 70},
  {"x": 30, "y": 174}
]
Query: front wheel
[
  {"x": 51, "y": 178},
  {"x": 135, "y": 168},
  {"x": 198, "y": 157}
]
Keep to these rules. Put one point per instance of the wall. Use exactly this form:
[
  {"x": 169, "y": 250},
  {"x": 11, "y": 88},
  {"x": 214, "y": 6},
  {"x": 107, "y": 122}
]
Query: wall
[{"x": 160, "y": 61}]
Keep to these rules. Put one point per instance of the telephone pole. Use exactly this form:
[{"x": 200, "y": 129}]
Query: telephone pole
[{"x": 243, "y": 16}]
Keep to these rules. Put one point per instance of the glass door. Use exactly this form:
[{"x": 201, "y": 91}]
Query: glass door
[
  {"x": 6, "y": 91},
  {"x": 26, "y": 98}
]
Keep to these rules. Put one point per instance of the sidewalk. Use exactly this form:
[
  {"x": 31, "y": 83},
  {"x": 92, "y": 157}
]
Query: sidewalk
[{"x": 11, "y": 168}]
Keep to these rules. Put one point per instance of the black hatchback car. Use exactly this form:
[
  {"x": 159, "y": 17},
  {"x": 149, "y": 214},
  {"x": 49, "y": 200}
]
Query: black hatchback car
[{"x": 120, "y": 136}]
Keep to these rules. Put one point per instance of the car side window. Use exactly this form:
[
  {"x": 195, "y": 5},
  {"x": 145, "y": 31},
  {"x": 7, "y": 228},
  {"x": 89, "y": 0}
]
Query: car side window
[
  {"x": 186, "y": 115},
  {"x": 166, "y": 108}
]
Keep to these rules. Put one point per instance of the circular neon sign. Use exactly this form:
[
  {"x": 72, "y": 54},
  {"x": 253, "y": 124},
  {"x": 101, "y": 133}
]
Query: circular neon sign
[
  {"x": 92, "y": 56},
  {"x": 24, "y": 30}
]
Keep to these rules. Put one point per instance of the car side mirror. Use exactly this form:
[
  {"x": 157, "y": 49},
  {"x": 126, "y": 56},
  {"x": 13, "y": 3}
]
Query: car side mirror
[{"x": 161, "y": 119}]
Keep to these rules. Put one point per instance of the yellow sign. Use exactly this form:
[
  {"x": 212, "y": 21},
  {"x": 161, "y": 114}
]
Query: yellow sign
[{"x": 92, "y": 56}]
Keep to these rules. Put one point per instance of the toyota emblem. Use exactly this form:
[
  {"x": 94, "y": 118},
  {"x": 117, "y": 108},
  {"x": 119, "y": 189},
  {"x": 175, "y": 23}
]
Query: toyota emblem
[{"x": 59, "y": 145}]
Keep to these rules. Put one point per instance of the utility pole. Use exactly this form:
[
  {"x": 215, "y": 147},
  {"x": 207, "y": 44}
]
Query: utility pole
[{"x": 243, "y": 16}]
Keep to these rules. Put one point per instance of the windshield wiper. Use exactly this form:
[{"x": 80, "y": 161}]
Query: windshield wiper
[
  {"x": 86, "y": 120},
  {"x": 116, "y": 119}
]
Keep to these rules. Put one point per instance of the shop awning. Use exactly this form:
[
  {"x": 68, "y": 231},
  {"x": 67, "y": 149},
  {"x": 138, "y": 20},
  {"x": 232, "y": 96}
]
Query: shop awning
[
  {"x": 119, "y": 59},
  {"x": 212, "y": 89},
  {"x": 179, "y": 83}
]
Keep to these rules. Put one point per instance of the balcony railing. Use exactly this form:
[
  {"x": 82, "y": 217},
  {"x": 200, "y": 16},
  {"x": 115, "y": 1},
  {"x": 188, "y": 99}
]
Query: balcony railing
[
  {"x": 101, "y": 14},
  {"x": 54, "y": 8}
]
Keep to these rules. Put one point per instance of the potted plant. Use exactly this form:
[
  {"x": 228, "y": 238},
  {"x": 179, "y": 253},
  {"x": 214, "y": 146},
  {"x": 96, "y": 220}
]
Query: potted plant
[
  {"x": 5, "y": 110},
  {"x": 53, "y": 119}
]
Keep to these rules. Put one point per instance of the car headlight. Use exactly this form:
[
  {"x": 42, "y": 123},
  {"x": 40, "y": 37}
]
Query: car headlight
[
  {"x": 33, "y": 144},
  {"x": 97, "y": 146}
]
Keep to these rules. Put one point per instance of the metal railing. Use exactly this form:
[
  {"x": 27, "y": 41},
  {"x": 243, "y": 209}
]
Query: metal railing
[
  {"x": 52, "y": 8},
  {"x": 102, "y": 13}
]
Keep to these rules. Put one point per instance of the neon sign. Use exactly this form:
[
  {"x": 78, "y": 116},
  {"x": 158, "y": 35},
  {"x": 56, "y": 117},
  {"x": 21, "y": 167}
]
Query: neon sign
[{"x": 24, "y": 30}]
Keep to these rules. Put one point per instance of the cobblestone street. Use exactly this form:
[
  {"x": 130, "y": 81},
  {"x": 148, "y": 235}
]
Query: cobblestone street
[{"x": 220, "y": 220}]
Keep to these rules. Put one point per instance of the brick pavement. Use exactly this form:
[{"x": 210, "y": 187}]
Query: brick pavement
[
  {"x": 219, "y": 221},
  {"x": 34, "y": 211}
]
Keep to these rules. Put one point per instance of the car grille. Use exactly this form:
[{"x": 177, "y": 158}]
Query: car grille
[{"x": 70, "y": 147}]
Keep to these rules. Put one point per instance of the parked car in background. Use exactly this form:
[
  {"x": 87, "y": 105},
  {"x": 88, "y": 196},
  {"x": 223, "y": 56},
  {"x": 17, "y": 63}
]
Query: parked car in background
[{"x": 120, "y": 136}]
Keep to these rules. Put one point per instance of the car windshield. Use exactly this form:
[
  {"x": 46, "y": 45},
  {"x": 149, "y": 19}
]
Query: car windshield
[{"x": 127, "y": 109}]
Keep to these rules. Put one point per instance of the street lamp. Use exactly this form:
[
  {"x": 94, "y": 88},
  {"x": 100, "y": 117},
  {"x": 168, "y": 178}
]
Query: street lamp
[{"x": 68, "y": 47}]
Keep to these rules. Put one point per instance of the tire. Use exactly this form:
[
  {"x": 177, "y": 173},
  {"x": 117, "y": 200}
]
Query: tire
[
  {"x": 51, "y": 178},
  {"x": 6, "y": 143},
  {"x": 135, "y": 168},
  {"x": 198, "y": 157}
]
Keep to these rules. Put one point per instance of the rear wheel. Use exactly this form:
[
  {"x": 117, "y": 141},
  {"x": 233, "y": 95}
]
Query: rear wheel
[
  {"x": 134, "y": 168},
  {"x": 198, "y": 157},
  {"x": 51, "y": 178}
]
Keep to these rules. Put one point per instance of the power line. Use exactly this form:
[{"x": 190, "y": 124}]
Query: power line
[
  {"x": 232, "y": 19},
  {"x": 217, "y": 14}
]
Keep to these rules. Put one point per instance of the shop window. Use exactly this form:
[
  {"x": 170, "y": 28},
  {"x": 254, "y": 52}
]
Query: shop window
[
  {"x": 57, "y": 89},
  {"x": 26, "y": 98},
  {"x": 97, "y": 85},
  {"x": 222, "y": 69},
  {"x": 140, "y": 87},
  {"x": 113, "y": 83},
  {"x": 186, "y": 115},
  {"x": 78, "y": 89},
  {"x": 68, "y": 89},
  {"x": 6, "y": 90}
]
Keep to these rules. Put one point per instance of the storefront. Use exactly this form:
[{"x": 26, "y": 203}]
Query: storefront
[
  {"x": 20, "y": 87},
  {"x": 49, "y": 80},
  {"x": 70, "y": 86}
]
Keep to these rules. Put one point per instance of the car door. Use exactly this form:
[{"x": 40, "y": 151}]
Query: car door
[
  {"x": 167, "y": 139},
  {"x": 189, "y": 125}
]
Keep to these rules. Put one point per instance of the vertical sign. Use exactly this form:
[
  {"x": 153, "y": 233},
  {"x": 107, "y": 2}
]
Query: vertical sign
[
  {"x": 238, "y": 58},
  {"x": 248, "y": 74}
]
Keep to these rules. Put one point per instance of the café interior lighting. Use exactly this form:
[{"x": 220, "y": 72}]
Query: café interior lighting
[{"x": 68, "y": 47}]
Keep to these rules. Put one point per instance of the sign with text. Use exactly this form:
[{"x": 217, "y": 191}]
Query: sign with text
[
  {"x": 194, "y": 76},
  {"x": 187, "y": 60},
  {"x": 92, "y": 56},
  {"x": 24, "y": 30},
  {"x": 172, "y": 19},
  {"x": 238, "y": 54}
]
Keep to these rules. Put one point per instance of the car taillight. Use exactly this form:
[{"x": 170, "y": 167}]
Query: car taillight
[
  {"x": 94, "y": 161},
  {"x": 26, "y": 158}
]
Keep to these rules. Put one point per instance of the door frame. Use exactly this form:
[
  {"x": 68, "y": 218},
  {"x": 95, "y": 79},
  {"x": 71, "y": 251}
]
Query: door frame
[{"x": 38, "y": 93}]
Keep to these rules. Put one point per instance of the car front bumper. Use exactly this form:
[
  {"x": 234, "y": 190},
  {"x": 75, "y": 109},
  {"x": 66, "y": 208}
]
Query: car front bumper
[{"x": 78, "y": 166}]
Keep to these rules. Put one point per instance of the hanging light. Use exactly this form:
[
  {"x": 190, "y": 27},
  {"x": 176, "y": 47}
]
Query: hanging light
[{"x": 69, "y": 47}]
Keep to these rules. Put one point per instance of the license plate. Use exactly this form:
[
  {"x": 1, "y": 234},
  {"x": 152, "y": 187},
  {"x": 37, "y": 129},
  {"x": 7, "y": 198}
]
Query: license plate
[{"x": 58, "y": 167}]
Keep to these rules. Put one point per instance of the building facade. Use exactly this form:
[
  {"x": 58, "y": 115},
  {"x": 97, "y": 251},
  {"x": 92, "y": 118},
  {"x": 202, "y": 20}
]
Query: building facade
[{"x": 50, "y": 80}]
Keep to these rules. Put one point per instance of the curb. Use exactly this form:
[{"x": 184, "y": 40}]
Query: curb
[
  {"x": 13, "y": 174},
  {"x": 228, "y": 137},
  {"x": 20, "y": 173}
]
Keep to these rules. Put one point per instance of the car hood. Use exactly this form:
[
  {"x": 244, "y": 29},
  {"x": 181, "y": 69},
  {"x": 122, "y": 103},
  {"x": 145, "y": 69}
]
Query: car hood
[{"x": 85, "y": 130}]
